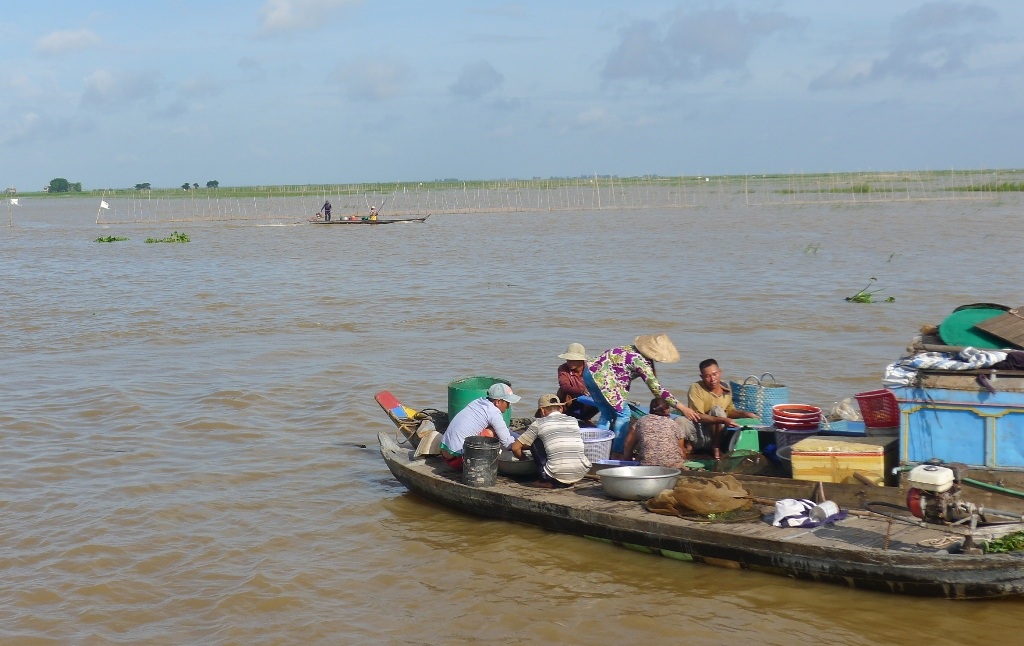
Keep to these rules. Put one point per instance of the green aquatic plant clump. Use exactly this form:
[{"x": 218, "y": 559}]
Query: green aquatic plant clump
[
  {"x": 1010, "y": 543},
  {"x": 174, "y": 237},
  {"x": 110, "y": 239},
  {"x": 865, "y": 296}
]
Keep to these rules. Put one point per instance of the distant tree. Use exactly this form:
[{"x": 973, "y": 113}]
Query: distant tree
[
  {"x": 75, "y": 187},
  {"x": 59, "y": 185},
  {"x": 185, "y": 186},
  {"x": 212, "y": 184},
  {"x": 195, "y": 185},
  {"x": 143, "y": 186}
]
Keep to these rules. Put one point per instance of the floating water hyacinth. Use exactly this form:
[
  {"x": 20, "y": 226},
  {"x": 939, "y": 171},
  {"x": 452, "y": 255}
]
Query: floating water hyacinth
[
  {"x": 174, "y": 237},
  {"x": 865, "y": 296}
]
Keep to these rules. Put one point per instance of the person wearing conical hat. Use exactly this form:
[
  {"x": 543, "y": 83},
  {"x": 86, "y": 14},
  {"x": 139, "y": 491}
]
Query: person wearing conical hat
[{"x": 609, "y": 375}]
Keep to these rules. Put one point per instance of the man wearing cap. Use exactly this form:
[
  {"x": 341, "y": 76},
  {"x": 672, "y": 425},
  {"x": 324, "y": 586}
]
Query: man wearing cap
[
  {"x": 556, "y": 444},
  {"x": 480, "y": 417},
  {"x": 608, "y": 378},
  {"x": 570, "y": 382}
]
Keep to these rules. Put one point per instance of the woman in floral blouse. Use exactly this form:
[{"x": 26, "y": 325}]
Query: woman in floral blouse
[{"x": 609, "y": 375}]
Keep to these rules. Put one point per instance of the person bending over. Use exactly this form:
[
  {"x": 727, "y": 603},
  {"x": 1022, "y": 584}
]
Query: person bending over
[
  {"x": 480, "y": 417},
  {"x": 608, "y": 378},
  {"x": 556, "y": 444}
]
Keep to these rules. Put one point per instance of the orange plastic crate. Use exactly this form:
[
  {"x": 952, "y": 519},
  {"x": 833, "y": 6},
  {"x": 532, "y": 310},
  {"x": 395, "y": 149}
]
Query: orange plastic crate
[{"x": 879, "y": 408}]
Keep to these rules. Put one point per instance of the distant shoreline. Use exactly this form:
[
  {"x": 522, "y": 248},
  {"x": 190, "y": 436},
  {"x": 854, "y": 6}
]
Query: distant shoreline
[{"x": 994, "y": 180}]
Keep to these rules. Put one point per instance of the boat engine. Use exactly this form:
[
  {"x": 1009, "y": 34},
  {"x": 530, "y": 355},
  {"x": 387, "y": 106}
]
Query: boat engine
[{"x": 934, "y": 494}]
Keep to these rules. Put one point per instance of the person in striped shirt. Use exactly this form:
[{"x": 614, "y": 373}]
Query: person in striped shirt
[{"x": 556, "y": 444}]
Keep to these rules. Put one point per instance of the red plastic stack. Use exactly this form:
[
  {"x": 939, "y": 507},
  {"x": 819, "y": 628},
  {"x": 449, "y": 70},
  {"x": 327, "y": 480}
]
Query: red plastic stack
[{"x": 796, "y": 417}]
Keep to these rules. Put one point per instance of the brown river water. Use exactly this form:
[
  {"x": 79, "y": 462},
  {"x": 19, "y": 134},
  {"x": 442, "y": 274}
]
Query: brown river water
[{"x": 188, "y": 449}]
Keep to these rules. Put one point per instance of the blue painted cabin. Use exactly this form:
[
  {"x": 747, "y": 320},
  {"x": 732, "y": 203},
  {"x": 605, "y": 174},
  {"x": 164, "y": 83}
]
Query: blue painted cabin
[{"x": 951, "y": 417}]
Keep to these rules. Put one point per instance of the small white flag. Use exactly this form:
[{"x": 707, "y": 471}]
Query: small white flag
[
  {"x": 14, "y": 200},
  {"x": 104, "y": 205}
]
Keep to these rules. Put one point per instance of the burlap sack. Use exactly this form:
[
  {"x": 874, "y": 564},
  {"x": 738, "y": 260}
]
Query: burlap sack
[{"x": 703, "y": 496}]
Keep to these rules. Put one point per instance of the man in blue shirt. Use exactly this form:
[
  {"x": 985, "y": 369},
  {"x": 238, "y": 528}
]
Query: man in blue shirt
[{"x": 480, "y": 417}]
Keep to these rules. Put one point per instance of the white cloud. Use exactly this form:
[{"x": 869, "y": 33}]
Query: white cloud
[
  {"x": 477, "y": 80},
  {"x": 252, "y": 70},
  {"x": 201, "y": 87},
  {"x": 692, "y": 45},
  {"x": 594, "y": 118},
  {"x": 925, "y": 43},
  {"x": 279, "y": 16},
  {"x": 104, "y": 89},
  {"x": 34, "y": 126},
  {"x": 57, "y": 43},
  {"x": 22, "y": 86},
  {"x": 374, "y": 80}
]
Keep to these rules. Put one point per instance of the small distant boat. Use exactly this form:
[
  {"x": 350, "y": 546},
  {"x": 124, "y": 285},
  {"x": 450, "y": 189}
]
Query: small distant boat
[{"x": 367, "y": 221}]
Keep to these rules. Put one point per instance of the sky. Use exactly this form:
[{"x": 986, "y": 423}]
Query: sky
[{"x": 114, "y": 93}]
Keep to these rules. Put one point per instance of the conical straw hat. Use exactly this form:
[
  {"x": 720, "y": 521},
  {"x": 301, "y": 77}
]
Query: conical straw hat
[{"x": 657, "y": 347}]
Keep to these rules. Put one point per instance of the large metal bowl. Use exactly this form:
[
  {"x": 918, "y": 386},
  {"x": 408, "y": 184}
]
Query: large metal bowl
[
  {"x": 637, "y": 483},
  {"x": 510, "y": 465}
]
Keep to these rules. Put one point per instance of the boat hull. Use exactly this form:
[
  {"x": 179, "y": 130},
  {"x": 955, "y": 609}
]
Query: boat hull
[
  {"x": 388, "y": 221},
  {"x": 866, "y": 562}
]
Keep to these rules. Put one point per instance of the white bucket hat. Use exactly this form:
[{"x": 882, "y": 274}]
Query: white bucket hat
[
  {"x": 576, "y": 352},
  {"x": 657, "y": 347}
]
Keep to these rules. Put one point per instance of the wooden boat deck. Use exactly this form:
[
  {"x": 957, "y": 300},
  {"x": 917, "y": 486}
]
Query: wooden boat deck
[
  {"x": 865, "y": 550},
  {"x": 859, "y": 529}
]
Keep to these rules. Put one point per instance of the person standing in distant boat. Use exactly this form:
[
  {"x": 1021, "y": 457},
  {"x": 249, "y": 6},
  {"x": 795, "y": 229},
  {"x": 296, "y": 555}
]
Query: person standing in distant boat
[
  {"x": 373, "y": 214},
  {"x": 327, "y": 211}
]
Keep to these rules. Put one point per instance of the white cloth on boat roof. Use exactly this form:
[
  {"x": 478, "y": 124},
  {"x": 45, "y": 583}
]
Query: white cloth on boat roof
[{"x": 904, "y": 371}]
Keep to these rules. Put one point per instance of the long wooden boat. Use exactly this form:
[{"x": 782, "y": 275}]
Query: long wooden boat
[
  {"x": 378, "y": 221},
  {"x": 865, "y": 550}
]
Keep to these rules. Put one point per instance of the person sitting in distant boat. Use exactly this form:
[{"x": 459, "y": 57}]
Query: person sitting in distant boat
[
  {"x": 327, "y": 211},
  {"x": 713, "y": 401},
  {"x": 570, "y": 383},
  {"x": 480, "y": 417},
  {"x": 373, "y": 214},
  {"x": 556, "y": 445},
  {"x": 660, "y": 440}
]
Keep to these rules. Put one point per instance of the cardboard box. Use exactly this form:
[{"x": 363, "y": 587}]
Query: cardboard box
[{"x": 836, "y": 459}]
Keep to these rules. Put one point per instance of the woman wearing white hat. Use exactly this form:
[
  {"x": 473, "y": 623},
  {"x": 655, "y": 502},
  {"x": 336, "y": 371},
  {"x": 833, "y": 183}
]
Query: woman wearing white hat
[
  {"x": 570, "y": 382},
  {"x": 608, "y": 378}
]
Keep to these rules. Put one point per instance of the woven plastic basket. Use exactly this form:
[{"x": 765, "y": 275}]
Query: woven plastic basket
[
  {"x": 879, "y": 408},
  {"x": 597, "y": 443},
  {"x": 760, "y": 396}
]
